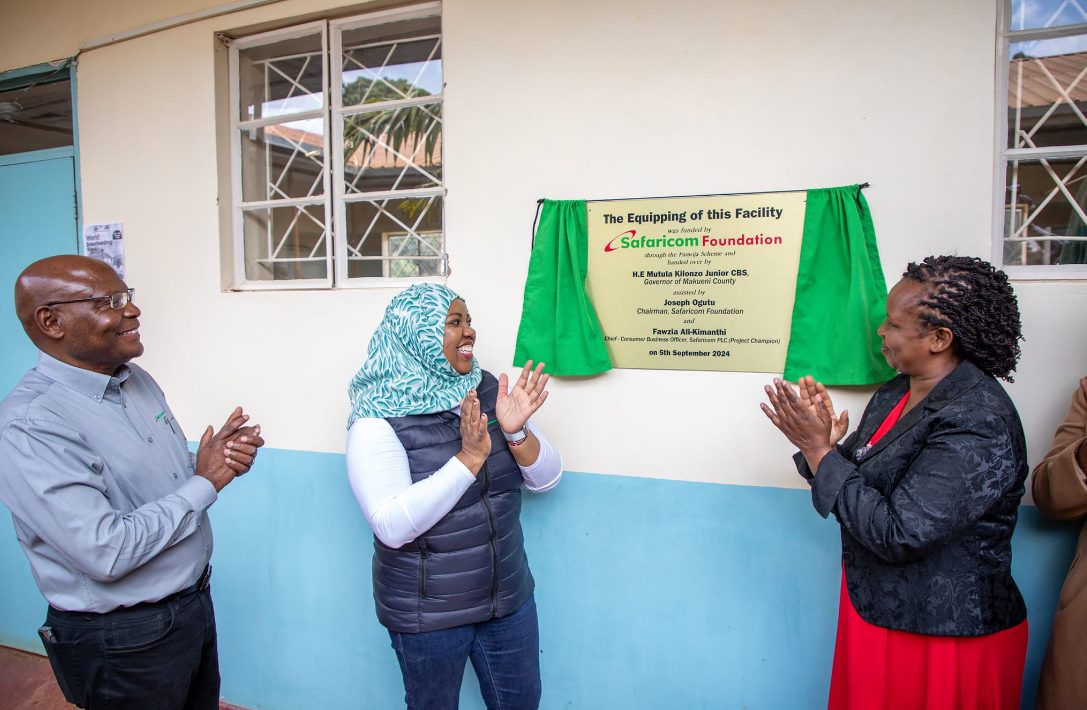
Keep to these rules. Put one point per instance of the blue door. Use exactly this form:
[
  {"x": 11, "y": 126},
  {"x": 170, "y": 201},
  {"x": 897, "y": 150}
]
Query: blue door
[{"x": 37, "y": 219}]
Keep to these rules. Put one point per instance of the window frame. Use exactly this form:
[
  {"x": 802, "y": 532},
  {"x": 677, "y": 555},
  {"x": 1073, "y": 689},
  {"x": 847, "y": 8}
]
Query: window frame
[
  {"x": 335, "y": 197},
  {"x": 238, "y": 204},
  {"x": 1005, "y": 154},
  {"x": 341, "y": 198}
]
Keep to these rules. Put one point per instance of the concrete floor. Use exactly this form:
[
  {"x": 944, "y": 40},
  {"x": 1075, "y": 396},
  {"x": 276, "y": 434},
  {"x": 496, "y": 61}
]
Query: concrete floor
[{"x": 27, "y": 683}]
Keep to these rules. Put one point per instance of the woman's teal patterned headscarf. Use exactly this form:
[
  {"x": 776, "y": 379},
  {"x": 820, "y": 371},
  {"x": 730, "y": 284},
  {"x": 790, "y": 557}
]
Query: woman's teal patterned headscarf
[{"x": 406, "y": 371}]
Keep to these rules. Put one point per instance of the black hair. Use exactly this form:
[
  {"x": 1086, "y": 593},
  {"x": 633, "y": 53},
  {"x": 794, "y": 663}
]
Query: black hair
[{"x": 976, "y": 303}]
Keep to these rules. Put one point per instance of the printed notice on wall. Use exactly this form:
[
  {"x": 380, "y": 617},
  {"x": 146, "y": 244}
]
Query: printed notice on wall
[
  {"x": 107, "y": 243},
  {"x": 696, "y": 283}
]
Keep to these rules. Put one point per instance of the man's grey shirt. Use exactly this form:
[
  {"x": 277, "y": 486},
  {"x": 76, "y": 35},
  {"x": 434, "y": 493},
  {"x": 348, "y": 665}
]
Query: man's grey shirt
[{"x": 101, "y": 487}]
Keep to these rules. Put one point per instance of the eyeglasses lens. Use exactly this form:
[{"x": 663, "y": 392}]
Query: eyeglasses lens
[{"x": 119, "y": 301}]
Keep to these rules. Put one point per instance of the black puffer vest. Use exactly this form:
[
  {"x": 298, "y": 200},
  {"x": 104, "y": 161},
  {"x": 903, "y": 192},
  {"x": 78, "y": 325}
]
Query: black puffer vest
[{"x": 471, "y": 566}]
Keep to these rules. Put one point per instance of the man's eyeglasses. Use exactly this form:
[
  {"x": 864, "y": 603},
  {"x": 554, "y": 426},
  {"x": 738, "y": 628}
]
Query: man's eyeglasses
[{"x": 117, "y": 301}]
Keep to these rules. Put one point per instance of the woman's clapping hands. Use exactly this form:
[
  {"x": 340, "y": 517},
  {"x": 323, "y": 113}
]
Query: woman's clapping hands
[
  {"x": 815, "y": 395},
  {"x": 514, "y": 406},
  {"x": 475, "y": 442},
  {"x": 806, "y": 419}
]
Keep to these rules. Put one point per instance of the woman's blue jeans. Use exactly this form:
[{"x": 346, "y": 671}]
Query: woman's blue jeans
[{"x": 505, "y": 653}]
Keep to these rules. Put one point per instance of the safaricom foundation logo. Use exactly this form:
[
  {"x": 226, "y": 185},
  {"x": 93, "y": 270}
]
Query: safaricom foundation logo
[{"x": 630, "y": 240}]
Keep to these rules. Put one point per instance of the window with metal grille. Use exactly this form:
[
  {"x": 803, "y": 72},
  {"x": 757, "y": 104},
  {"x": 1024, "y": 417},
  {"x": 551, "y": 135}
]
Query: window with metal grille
[
  {"x": 1042, "y": 175},
  {"x": 336, "y": 153}
]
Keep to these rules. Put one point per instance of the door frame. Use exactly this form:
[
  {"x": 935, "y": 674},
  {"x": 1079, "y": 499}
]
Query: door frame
[{"x": 61, "y": 70}]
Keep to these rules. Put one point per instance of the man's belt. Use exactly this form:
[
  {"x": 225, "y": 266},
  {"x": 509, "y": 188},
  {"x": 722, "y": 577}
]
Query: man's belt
[{"x": 200, "y": 585}]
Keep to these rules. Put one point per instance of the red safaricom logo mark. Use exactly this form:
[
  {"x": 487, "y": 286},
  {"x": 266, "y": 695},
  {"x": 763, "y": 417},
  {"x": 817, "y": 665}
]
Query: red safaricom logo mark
[{"x": 610, "y": 246}]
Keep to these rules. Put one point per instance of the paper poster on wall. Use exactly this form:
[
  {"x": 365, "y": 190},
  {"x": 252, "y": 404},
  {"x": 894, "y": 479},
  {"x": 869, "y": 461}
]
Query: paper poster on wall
[
  {"x": 696, "y": 283},
  {"x": 107, "y": 243}
]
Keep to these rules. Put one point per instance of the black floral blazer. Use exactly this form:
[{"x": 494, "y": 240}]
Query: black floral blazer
[{"x": 927, "y": 513}]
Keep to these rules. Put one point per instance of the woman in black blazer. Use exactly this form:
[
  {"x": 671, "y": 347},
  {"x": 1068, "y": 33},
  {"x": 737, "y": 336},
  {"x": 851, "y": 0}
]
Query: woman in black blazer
[{"x": 926, "y": 493}]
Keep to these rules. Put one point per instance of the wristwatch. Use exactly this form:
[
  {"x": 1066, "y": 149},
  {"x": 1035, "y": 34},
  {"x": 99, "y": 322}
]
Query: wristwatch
[{"x": 517, "y": 437}]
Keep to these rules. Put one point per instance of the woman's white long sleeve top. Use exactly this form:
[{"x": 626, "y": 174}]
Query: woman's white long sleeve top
[{"x": 397, "y": 510}]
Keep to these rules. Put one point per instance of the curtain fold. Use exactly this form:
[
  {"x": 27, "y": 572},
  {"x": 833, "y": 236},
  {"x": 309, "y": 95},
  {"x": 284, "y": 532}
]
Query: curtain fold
[
  {"x": 558, "y": 324},
  {"x": 840, "y": 293}
]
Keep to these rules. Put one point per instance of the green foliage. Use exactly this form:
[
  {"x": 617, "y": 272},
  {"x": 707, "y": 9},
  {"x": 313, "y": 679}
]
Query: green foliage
[
  {"x": 411, "y": 207},
  {"x": 393, "y": 126}
]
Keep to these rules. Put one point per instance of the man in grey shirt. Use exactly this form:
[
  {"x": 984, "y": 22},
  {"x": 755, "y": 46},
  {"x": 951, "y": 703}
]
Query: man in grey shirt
[{"x": 108, "y": 504}]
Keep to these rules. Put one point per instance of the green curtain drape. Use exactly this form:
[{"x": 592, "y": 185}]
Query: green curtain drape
[
  {"x": 558, "y": 323},
  {"x": 840, "y": 293}
]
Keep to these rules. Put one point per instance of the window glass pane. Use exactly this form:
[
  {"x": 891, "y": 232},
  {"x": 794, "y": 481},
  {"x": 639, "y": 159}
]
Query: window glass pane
[
  {"x": 36, "y": 117},
  {"x": 1045, "y": 212},
  {"x": 280, "y": 78},
  {"x": 411, "y": 255},
  {"x": 1047, "y": 93},
  {"x": 282, "y": 161},
  {"x": 285, "y": 243},
  {"x": 399, "y": 60},
  {"x": 1036, "y": 14},
  {"x": 393, "y": 149},
  {"x": 395, "y": 235}
]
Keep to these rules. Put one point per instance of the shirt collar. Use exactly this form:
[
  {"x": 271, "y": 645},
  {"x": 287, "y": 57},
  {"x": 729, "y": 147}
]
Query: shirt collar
[{"x": 88, "y": 383}]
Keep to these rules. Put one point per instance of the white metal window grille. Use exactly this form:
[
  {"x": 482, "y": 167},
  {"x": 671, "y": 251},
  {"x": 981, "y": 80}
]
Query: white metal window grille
[
  {"x": 1041, "y": 214},
  {"x": 412, "y": 255},
  {"x": 337, "y": 153}
]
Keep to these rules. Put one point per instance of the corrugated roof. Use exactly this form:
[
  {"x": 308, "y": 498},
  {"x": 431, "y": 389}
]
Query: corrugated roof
[
  {"x": 1033, "y": 80},
  {"x": 380, "y": 158}
]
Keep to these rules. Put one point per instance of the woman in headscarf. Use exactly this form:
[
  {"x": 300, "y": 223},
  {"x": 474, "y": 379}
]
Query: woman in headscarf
[
  {"x": 926, "y": 493},
  {"x": 437, "y": 453}
]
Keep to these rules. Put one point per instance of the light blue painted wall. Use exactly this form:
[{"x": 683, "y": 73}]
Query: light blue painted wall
[
  {"x": 22, "y": 608},
  {"x": 652, "y": 593}
]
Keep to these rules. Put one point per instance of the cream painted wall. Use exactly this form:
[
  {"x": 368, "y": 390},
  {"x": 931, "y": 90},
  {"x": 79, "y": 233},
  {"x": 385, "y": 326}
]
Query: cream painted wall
[
  {"x": 45, "y": 30},
  {"x": 575, "y": 100}
]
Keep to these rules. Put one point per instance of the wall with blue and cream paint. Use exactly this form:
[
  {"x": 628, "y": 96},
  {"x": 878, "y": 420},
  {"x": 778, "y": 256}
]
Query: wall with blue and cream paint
[{"x": 680, "y": 563}]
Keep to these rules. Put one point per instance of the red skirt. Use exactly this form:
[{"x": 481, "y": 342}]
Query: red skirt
[{"x": 884, "y": 669}]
